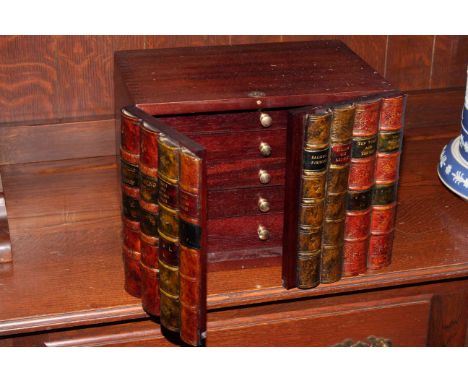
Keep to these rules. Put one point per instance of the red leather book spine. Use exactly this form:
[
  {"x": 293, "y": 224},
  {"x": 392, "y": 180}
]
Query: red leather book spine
[
  {"x": 386, "y": 182},
  {"x": 336, "y": 191},
  {"x": 360, "y": 182},
  {"x": 190, "y": 257},
  {"x": 149, "y": 238},
  {"x": 129, "y": 177}
]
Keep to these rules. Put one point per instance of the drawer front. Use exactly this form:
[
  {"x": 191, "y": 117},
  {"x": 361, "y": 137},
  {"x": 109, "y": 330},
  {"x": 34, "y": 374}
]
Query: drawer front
[
  {"x": 244, "y": 201},
  {"x": 225, "y": 122},
  {"x": 404, "y": 321},
  {"x": 242, "y": 232},
  {"x": 226, "y": 147},
  {"x": 245, "y": 173}
]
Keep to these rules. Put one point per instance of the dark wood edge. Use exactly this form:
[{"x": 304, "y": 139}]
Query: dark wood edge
[
  {"x": 203, "y": 250},
  {"x": 5, "y": 241},
  {"x": 286, "y": 101},
  {"x": 241, "y": 298},
  {"x": 70, "y": 319},
  {"x": 346, "y": 285},
  {"x": 294, "y": 144}
]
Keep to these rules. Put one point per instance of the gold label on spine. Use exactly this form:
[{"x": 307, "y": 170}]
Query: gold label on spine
[
  {"x": 168, "y": 192},
  {"x": 169, "y": 278}
]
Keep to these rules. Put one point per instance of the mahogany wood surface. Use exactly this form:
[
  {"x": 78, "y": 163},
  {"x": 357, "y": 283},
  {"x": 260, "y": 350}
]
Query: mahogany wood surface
[
  {"x": 64, "y": 236},
  {"x": 85, "y": 64},
  {"x": 223, "y": 78}
]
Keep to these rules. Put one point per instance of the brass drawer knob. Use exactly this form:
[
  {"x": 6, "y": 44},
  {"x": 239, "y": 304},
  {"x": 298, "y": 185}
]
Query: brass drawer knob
[
  {"x": 265, "y": 120},
  {"x": 264, "y": 177},
  {"x": 265, "y": 149},
  {"x": 263, "y": 205},
  {"x": 263, "y": 233}
]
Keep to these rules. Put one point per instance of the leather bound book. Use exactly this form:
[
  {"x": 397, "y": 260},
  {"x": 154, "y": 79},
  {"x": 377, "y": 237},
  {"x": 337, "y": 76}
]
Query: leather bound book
[
  {"x": 336, "y": 190},
  {"x": 386, "y": 181},
  {"x": 168, "y": 231},
  {"x": 191, "y": 327},
  {"x": 129, "y": 177},
  {"x": 361, "y": 180},
  {"x": 312, "y": 197},
  {"x": 148, "y": 168}
]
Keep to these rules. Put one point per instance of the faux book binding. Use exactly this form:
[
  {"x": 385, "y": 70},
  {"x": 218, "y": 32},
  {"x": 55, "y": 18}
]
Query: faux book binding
[
  {"x": 358, "y": 215},
  {"x": 163, "y": 209}
]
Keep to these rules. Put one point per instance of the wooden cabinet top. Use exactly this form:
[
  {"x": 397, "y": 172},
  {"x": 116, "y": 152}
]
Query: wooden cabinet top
[{"x": 186, "y": 80}]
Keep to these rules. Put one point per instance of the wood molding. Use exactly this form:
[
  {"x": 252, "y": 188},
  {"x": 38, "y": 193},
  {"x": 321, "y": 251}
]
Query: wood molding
[{"x": 5, "y": 242}]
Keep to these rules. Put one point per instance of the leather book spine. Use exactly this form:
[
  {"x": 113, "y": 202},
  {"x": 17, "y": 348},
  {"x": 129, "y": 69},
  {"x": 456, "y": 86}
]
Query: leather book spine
[
  {"x": 386, "y": 182},
  {"x": 149, "y": 238},
  {"x": 312, "y": 198},
  {"x": 336, "y": 190},
  {"x": 191, "y": 328},
  {"x": 361, "y": 179},
  {"x": 168, "y": 231},
  {"x": 129, "y": 178}
]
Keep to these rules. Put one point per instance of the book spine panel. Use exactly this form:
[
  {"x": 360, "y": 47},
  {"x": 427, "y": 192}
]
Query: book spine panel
[
  {"x": 129, "y": 177},
  {"x": 386, "y": 182},
  {"x": 312, "y": 198},
  {"x": 361, "y": 179},
  {"x": 132, "y": 281},
  {"x": 335, "y": 200},
  {"x": 168, "y": 231},
  {"x": 191, "y": 328},
  {"x": 149, "y": 209}
]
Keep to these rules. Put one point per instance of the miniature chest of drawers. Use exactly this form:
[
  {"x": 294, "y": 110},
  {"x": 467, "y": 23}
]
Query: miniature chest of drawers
[{"x": 230, "y": 107}]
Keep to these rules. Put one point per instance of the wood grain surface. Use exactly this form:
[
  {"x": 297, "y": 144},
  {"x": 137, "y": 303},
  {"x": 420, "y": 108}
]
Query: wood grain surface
[{"x": 55, "y": 77}]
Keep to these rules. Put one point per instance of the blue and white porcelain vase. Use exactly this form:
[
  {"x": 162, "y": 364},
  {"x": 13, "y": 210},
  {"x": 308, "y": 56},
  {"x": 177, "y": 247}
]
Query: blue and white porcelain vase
[{"x": 453, "y": 164}]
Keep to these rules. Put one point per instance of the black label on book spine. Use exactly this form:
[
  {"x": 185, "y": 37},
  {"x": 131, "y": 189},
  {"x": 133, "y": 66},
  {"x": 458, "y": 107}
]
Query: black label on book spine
[
  {"x": 384, "y": 194},
  {"x": 389, "y": 141},
  {"x": 364, "y": 147},
  {"x": 359, "y": 200},
  {"x": 149, "y": 188},
  {"x": 190, "y": 234},
  {"x": 315, "y": 160},
  {"x": 130, "y": 207},
  {"x": 149, "y": 223},
  {"x": 129, "y": 173}
]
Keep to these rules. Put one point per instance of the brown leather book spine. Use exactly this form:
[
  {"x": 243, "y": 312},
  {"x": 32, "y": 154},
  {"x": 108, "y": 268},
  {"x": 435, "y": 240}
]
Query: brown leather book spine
[
  {"x": 336, "y": 190},
  {"x": 361, "y": 179},
  {"x": 129, "y": 177},
  {"x": 314, "y": 171},
  {"x": 386, "y": 182},
  {"x": 149, "y": 238},
  {"x": 168, "y": 231},
  {"x": 191, "y": 327}
]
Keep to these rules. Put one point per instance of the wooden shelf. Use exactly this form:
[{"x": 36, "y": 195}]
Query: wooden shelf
[{"x": 67, "y": 271}]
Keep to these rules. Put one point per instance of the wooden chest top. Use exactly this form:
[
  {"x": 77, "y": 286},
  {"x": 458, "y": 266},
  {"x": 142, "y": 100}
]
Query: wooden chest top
[{"x": 219, "y": 78}]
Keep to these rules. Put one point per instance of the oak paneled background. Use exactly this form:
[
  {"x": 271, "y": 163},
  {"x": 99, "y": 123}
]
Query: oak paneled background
[{"x": 57, "y": 82}]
